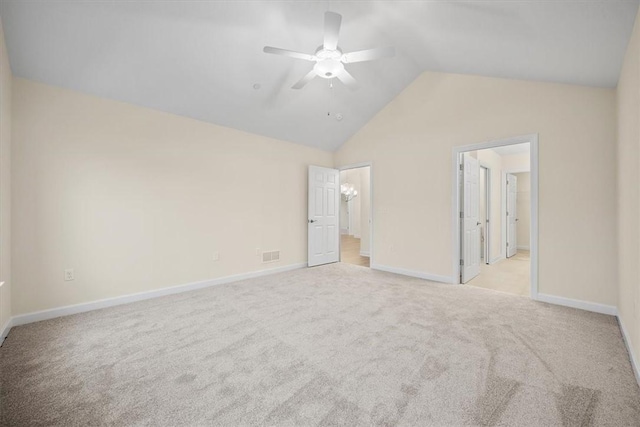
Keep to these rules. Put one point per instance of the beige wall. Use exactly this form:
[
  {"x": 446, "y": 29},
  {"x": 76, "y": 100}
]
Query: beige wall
[
  {"x": 517, "y": 162},
  {"x": 5, "y": 183},
  {"x": 628, "y": 102},
  {"x": 410, "y": 143},
  {"x": 523, "y": 208},
  {"x": 135, "y": 200}
]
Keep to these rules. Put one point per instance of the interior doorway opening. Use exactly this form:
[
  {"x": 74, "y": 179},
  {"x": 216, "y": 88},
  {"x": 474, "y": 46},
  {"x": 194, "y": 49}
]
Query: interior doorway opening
[
  {"x": 496, "y": 214},
  {"x": 355, "y": 216}
]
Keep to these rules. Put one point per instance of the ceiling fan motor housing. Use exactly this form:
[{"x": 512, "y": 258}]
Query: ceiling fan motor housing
[
  {"x": 328, "y": 68},
  {"x": 328, "y": 63}
]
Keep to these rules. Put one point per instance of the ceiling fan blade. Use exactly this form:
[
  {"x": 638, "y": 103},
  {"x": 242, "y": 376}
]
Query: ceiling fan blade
[
  {"x": 303, "y": 81},
  {"x": 348, "y": 80},
  {"x": 289, "y": 53},
  {"x": 368, "y": 54},
  {"x": 332, "y": 23}
]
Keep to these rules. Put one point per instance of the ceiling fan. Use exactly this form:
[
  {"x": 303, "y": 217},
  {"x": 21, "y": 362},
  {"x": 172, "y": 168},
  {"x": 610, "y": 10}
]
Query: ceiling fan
[{"x": 329, "y": 58}]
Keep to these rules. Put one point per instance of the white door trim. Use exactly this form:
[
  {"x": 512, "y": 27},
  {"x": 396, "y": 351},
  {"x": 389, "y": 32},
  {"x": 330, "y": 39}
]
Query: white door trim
[
  {"x": 487, "y": 205},
  {"x": 503, "y": 214},
  {"x": 507, "y": 218},
  {"x": 370, "y": 166},
  {"x": 532, "y": 139}
]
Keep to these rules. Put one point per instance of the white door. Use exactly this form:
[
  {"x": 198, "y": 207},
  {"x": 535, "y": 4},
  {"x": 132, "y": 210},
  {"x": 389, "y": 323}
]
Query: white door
[
  {"x": 323, "y": 224},
  {"x": 470, "y": 218},
  {"x": 512, "y": 218}
]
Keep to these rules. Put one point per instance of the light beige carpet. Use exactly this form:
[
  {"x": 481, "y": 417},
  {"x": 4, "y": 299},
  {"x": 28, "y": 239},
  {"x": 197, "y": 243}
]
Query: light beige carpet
[
  {"x": 508, "y": 275},
  {"x": 333, "y": 345}
]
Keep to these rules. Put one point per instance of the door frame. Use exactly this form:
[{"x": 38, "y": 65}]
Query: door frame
[
  {"x": 532, "y": 139},
  {"x": 357, "y": 166},
  {"x": 487, "y": 213}
]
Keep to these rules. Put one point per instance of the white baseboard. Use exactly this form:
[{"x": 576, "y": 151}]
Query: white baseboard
[
  {"x": 635, "y": 366},
  {"x": 411, "y": 273},
  {"x": 523, "y": 248},
  {"x": 496, "y": 259},
  {"x": 583, "y": 305},
  {"x": 365, "y": 253},
  {"x": 5, "y": 330},
  {"x": 125, "y": 299}
]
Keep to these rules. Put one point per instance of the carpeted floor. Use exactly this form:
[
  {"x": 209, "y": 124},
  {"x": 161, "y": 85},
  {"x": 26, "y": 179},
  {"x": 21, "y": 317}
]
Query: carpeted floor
[
  {"x": 332, "y": 345},
  {"x": 508, "y": 275}
]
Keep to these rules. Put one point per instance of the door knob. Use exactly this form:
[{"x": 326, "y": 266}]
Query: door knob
[
  {"x": 478, "y": 223},
  {"x": 311, "y": 221}
]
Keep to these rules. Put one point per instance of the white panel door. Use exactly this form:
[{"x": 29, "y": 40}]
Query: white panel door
[
  {"x": 512, "y": 215},
  {"x": 324, "y": 211},
  {"x": 470, "y": 218}
]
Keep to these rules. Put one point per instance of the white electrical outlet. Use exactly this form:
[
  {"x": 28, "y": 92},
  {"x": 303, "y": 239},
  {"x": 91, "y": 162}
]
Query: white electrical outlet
[
  {"x": 68, "y": 274},
  {"x": 216, "y": 256}
]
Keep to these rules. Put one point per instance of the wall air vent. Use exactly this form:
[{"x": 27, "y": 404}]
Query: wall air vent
[{"x": 272, "y": 256}]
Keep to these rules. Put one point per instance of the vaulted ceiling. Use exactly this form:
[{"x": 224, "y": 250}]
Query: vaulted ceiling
[{"x": 204, "y": 59}]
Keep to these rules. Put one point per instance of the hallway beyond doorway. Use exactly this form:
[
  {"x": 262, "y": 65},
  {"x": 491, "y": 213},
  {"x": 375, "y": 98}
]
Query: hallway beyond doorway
[
  {"x": 509, "y": 275},
  {"x": 350, "y": 251}
]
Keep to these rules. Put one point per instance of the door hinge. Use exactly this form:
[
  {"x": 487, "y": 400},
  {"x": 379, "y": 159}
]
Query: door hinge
[
  {"x": 461, "y": 167},
  {"x": 507, "y": 213},
  {"x": 461, "y": 262},
  {"x": 461, "y": 215},
  {"x": 507, "y": 244}
]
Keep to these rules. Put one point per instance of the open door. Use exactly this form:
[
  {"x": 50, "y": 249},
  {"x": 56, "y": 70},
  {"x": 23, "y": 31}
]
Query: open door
[
  {"x": 470, "y": 218},
  {"x": 512, "y": 215},
  {"x": 323, "y": 225}
]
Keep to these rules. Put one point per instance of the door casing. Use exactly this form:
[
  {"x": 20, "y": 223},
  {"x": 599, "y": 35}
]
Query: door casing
[
  {"x": 487, "y": 204},
  {"x": 510, "y": 212}
]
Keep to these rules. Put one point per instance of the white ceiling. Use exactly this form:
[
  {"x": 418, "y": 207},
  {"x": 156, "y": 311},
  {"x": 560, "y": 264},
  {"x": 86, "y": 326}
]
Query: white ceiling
[{"x": 201, "y": 58}]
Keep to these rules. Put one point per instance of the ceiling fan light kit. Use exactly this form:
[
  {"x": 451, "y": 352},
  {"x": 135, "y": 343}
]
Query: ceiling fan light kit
[{"x": 329, "y": 59}]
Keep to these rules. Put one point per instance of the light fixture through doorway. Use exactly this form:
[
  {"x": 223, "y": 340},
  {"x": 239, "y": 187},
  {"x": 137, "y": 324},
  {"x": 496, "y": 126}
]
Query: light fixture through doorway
[{"x": 348, "y": 192}]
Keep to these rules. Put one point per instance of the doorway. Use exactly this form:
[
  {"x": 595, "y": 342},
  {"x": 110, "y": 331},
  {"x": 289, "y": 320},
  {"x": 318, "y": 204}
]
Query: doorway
[
  {"x": 495, "y": 194},
  {"x": 355, "y": 215}
]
